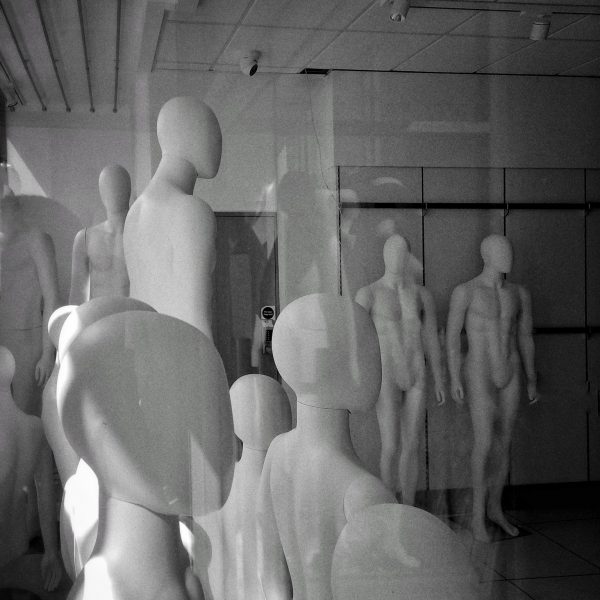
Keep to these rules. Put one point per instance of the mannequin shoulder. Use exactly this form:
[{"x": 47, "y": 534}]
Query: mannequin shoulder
[
  {"x": 366, "y": 490},
  {"x": 365, "y": 296},
  {"x": 38, "y": 241},
  {"x": 463, "y": 293}
]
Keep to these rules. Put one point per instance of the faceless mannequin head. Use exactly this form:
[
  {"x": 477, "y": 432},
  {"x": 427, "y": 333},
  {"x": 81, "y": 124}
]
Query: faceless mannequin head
[
  {"x": 396, "y": 254},
  {"x": 115, "y": 188},
  {"x": 326, "y": 348},
  {"x": 7, "y": 368},
  {"x": 92, "y": 311},
  {"x": 261, "y": 410},
  {"x": 188, "y": 128},
  {"x": 143, "y": 399},
  {"x": 497, "y": 253},
  {"x": 57, "y": 320}
]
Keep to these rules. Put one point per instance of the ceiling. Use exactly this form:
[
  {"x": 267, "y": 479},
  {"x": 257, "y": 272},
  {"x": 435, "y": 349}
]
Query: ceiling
[{"x": 442, "y": 36}]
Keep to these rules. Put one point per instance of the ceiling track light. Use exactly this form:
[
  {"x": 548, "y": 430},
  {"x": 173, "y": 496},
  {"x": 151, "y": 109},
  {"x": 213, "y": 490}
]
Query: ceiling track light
[
  {"x": 398, "y": 10},
  {"x": 540, "y": 28},
  {"x": 249, "y": 62}
]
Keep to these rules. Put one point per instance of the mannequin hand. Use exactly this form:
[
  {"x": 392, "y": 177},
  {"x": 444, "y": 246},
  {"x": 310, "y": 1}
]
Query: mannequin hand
[
  {"x": 440, "y": 395},
  {"x": 458, "y": 393},
  {"x": 43, "y": 369},
  {"x": 532, "y": 392},
  {"x": 51, "y": 571}
]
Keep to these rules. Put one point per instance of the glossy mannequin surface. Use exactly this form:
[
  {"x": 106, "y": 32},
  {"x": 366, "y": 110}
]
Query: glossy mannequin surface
[
  {"x": 169, "y": 233},
  {"x": 326, "y": 349},
  {"x": 398, "y": 552},
  {"x": 24, "y": 457},
  {"x": 261, "y": 411},
  {"x": 29, "y": 283},
  {"x": 406, "y": 324},
  {"x": 98, "y": 264},
  {"x": 143, "y": 398},
  {"x": 496, "y": 316}
]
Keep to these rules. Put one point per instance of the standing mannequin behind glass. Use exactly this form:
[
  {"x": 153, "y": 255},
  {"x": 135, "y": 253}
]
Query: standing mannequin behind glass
[
  {"x": 98, "y": 267},
  {"x": 28, "y": 296},
  {"x": 405, "y": 320},
  {"x": 496, "y": 316},
  {"x": 170, "y": 233}
]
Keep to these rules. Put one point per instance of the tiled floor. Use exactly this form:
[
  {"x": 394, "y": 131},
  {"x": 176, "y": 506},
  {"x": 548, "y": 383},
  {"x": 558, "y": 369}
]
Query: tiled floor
[{"x": 556, "y": 558}]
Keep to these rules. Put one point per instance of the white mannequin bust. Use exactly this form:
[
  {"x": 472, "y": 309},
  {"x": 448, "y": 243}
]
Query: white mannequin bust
[
  {"x": 496, "y": 316},
  {"x": 24, "y": 457},
  {"x": 326, "y": 349},
  {"x": 29, "y": 284},
  {"x": 143, "y": 398},
  {"x": 398, "y": 552},
  {"x": 261, "y": 411},
  {"x": 98, "y": 263},
  {"x": 169, "y": 233}
]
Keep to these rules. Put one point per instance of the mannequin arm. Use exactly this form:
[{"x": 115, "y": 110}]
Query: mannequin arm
[
  {"x": 432, "y": 344},
  {"x": 456, "y": 320},
  {"x": 273, "y": 573},
  {"x": 526, "y": 347},
  {"x": 51, "y": 561},
  {"x": 42, "y": 249},
  {"x": 80, "y": 271}
]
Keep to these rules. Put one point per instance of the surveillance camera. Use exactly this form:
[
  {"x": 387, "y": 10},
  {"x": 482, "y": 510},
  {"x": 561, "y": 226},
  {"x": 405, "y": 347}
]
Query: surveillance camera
[{"x": 249, "y": 63}]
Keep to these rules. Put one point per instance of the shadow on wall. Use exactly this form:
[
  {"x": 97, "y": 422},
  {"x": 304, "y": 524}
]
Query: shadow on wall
[{"x": 62, "y": 225}]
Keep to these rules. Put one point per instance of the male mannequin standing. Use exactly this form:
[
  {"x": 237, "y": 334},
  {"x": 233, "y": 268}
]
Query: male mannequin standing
[
  {"x": 496, "y": 316},
  {"x": 98, "y": 267},
  {"x": 28, "y": 296},
  {"x": 169, "y": 233}
]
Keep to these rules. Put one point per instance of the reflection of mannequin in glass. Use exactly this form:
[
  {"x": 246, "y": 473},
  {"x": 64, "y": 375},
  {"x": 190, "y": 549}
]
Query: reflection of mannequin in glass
[
  {"x": 98, "y": 267},
  {"x": 143, "y": 398},
  {"x": 261, "y": 411},
  {"x": 169, "y": 233},
  {"x": 312, "y": 482},
  {"x": 496, "y": 316},
  {"x": 28, "y": 296},
  {"x": 24, "y": 457},
  {"x": 405, "y": 320}
]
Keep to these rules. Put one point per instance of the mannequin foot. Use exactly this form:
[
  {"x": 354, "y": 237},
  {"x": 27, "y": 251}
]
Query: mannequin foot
[
  {"x": 500, "y": 520},
  {"x": 479, "y": 531}
]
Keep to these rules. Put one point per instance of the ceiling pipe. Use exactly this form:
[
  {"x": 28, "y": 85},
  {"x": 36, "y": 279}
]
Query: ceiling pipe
[
  {"x": 12, "y": 83},
  {"x": 24, "y": 60},
  {"x": 85, "y": 55},
  {"x": 115, "y": 105},
  {"x": 52, "y": 57}
]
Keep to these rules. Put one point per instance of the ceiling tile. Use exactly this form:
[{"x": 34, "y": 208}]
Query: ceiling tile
[
  {"x": 192, "y": 42},
  {"x": 363, "y": 50},
  {"x": 586, "y": 28},
  {"x": 508, "y": 24},
  {"x": 548, "y": 57},
  {"x": 588, "y": 69},
  {"x": 462, "y": 54},
  {"x": 332, "y": 14},
  {"x": 278, "y": 47},
  {"x": 213, "y": 11},
  {"x": 419, "y": 20}
]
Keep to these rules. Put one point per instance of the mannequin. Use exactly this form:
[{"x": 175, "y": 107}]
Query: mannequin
[
  {"x": 496, "y": 316},
  {"x": 79, "y": 507},
  {"x": 326, "y": 349},
  {"x": 28, "y": 296},
  {"x": 261, "y": 411},
  {"x": 169, "y": 233},
  {"x": 367, "y": 562},
  {"x": 406, "y": 324},
  {"x": 98, "y": 264},
  {"x": 24, "y": 457},
  {"x": 143, "y": 398}
]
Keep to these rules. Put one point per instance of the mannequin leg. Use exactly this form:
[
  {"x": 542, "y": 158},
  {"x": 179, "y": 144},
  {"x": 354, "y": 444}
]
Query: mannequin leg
[
  {"x": 482, "y": 408},
  {"x": 388, "y": 409},
  {"x": 412, "y": 414},
  {"x": 507, "y": 411}
]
